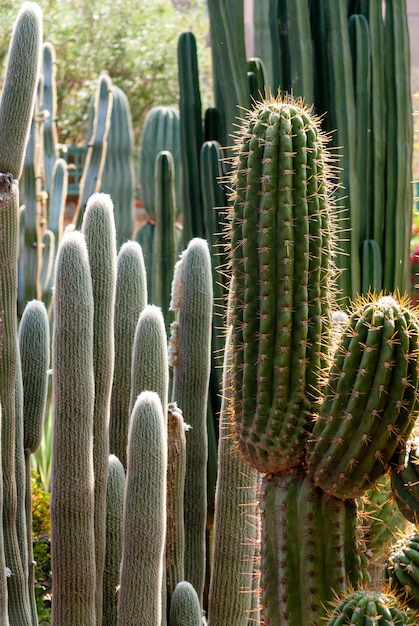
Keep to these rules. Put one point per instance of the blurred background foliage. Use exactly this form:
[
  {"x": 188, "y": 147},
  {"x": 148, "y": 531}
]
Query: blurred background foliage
[{"x": 134, "y": 42}]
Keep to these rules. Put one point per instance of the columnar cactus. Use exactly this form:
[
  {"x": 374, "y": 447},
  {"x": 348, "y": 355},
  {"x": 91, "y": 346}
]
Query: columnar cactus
[
  {"x": 402, "y": 568},
  {"x": 144, "y": 524},
  {"x": 72, "y": 473},
  {"x": 189, "y": 354},
  {"x": 281, "y": 261},
  {"x": 185, "y": 609},
  {"x": 98, "y": 228},
  {"x": 130, "y": 300},
  {"x": 16, "y": 107}
]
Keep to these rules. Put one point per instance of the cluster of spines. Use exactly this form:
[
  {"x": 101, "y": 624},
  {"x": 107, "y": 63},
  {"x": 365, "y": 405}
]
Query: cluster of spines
[
  {"x": 281, "y": 253},
  {"x": 370, "y": 402},
  {"x": 365, "y": 607}
]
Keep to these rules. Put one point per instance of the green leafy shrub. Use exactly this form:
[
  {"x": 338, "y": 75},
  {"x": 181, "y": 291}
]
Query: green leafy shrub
[{"x": 41, "y": 548}]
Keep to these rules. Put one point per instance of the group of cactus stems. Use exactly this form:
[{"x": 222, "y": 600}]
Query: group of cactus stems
[{"x": 316, "y": 405}]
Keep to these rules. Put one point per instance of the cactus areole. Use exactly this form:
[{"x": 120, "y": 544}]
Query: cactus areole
[{"x": 281, "y": 240}]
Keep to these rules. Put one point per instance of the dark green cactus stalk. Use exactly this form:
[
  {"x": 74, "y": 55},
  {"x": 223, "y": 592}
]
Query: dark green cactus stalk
[
  {"x": 402, "y": 569},
  {"x": 72, "y": 474},
  {"x": 234, "y": 522},
  {"x": 130, "y": 300},
  {"x": 114, "y": 523},
  {"x": 191, "y": 136},
  {"x": 176, "y": 468},
  {"x": 307, "y": 550},
  {"x": 281, "y": 259},
  {"x": 144, "y": 525},
  {"x": 370, "y": 402},
  {"x": 98, "y": 228},
  {"x": 364, "y": 608},
  {"x": 190, "y": 357},
  {"x": 164, "y": 239},
  {"x": 150, "y": 368},
  {"x": 185, "y": 609}
]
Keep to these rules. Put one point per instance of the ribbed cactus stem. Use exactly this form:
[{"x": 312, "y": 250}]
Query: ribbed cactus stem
[
  {"x": 72, "y": 474},
  {"x": 114, "y": 523},
  {"x": 144, "y": 525},
  {"x": 281, "y": 259},
  {"x": 130, "y": 299},
  {"x": 185, "y": 609},
  {"x": 370, "y": 402},
  {"x": 19, "y": 87},
  {"x": 98, "y": 228},
  {"x": 190, "y": 352},
  {"x": 235, "y": 521},
  {"x": 150, "y": 368}
]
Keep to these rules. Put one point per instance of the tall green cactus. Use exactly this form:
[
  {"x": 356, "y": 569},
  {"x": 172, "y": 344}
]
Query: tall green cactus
[
  {"x": 281, "y": 260},
  {"x": 72, "y": 474}
]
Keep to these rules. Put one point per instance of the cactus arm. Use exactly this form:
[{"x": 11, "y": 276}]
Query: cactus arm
[
  {"x": 144, "y": 524},
  {"x": 190, "y": 358},
  {"x": 114, "y": 519},
  {"x": 72, "y": 473},
  {"x": 130, "y": 299}
]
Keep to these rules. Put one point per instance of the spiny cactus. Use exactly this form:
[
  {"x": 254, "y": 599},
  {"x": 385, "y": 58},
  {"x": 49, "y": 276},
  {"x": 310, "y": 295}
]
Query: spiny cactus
[
  {"x": 364, "y": 608},
  {"x": 281, "y": 259},
  {"x": 405, "y": 482},
  {"x": 370, "y": 403},
  {"x": 402, "y": 568}
]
